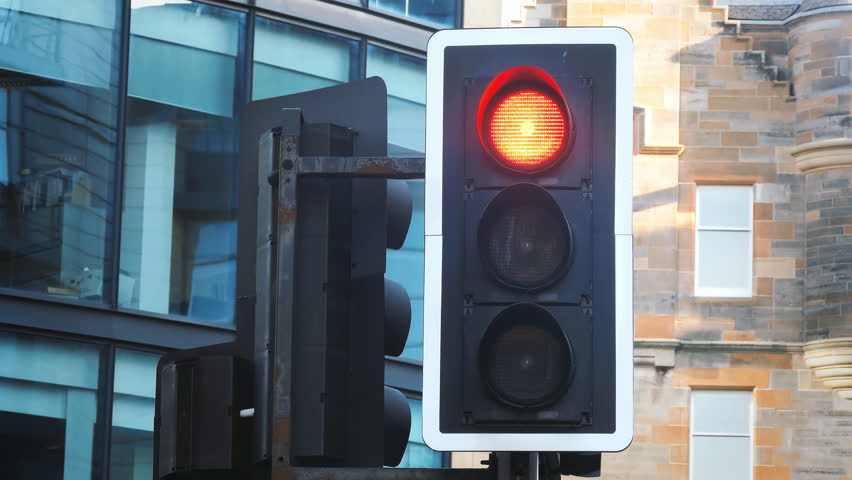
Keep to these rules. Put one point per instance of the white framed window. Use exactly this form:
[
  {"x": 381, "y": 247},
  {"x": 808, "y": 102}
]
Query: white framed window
[
  {"x": 723, "y": 240},
  {"x": 720, "y": 443}
]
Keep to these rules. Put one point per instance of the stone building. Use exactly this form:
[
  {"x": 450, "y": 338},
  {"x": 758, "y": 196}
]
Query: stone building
[{"x": 742, "y": 230}]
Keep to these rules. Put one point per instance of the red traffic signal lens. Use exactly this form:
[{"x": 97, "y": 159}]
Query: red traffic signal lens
[
  {"x": 523, "y": 120},
  {"x": 527, "y": 129}
]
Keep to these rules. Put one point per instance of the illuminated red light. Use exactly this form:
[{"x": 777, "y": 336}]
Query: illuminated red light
[
  {"x": 527, "y": 129},
  {"x": 523, "y": 121}
]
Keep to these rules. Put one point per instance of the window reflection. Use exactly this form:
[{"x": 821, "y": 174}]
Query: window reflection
[
  {"x": 405, "y": 77},
  {"x": 406, "y": 267},
  {"x": 439, "y": 12},
  {"x": 58, "y": 112},
  {"x": 417, "y": 453},
  {"x": 132, "y": 436},
  {"x": 291, "y": 59},
  {"x": 49, "y": 400},
  {"x": 178, "y": 236}
]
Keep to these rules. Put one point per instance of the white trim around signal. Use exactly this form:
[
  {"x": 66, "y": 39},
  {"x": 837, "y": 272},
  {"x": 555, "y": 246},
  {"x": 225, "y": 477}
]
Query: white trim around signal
[
  {"x": 526, "y": 36},
  {"x": 586, "y": 442}
]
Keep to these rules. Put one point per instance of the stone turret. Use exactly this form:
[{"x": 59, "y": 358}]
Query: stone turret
[{"x": 821, "y": 62}]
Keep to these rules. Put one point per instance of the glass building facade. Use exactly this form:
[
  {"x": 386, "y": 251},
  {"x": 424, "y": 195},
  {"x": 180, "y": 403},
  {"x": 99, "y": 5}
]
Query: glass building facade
[{"x": 119, "y": 135}]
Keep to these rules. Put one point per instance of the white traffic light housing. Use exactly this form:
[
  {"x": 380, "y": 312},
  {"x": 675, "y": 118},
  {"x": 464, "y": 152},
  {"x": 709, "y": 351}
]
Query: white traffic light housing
[{"x": 528, "y": 328}]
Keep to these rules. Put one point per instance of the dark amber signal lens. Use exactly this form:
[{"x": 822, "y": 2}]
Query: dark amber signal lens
[
  {"x": 524, "y": 239},
  {"x": 525, "y": 357}
]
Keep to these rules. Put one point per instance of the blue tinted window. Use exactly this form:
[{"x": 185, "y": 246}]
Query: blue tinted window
[
  {"x": 405, "y": 77},
  {"x": 417, "y": 454},
  {"x": 406, "y": 267},
  {"x": 132, "y": 436},
  {"x": 178, "y": 231},
  {"x": 439, "y": 12},
  {"x": 49, "y": 398},
  {"x": 58, "y": 111},
  {"x": 291, "y": 59}
]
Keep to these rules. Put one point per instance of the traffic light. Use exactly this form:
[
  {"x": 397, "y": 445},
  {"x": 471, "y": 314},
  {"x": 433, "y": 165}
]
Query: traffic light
[
  {"x": 196, "y": 426},
  {"x": 528, "y": 327},
  {"x": 346, "y": 316}
]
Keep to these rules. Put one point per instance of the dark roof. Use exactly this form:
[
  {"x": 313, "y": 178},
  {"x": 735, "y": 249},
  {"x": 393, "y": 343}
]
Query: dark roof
[
  {"x": 814, "y": 4},
  {"x": 761, "y": 12}
]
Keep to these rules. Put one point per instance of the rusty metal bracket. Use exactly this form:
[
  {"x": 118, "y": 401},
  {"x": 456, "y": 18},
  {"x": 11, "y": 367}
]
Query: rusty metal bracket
[
  {"x": 364, "y": 167},
  {"x": 286, "y": 162}
]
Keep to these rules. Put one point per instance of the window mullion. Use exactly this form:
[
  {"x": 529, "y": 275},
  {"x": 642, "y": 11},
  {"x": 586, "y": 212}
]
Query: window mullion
[
  {"x": 248, "y": 60},
  {"x": 111, "y": 287},
  {"x": 362, "y": 59},
  {"x": 107, "y": 385}
]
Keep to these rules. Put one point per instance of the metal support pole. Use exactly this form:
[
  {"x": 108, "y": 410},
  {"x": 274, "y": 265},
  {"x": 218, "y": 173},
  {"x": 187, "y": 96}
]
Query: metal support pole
[
  {"x": 504, "y": 465},
  {"x": 285, "y": 221},
  {"x": 532, "y": 466},
  {"x": 265, "y": 297},
  {"x": 518, "y": 466}
]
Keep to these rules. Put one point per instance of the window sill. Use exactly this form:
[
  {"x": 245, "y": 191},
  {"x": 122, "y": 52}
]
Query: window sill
[{"x": 729, "y": 300}]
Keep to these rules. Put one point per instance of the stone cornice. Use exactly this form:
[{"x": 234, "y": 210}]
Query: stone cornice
[
  {"x": 823, "y": 155},
  {"x": 660, "y": 149},
  {"x": 660, "y": 352},
  {"x": 718, "y": 346},
  {"x": 830, "y": 360}
]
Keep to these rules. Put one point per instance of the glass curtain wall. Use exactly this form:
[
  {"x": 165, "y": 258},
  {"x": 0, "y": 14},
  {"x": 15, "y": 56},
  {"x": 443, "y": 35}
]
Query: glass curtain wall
[
  {"x": 59, "y": 69},
  {"x": 405, "y": 77},
  {"x": 59, "y": 117},
  {"x": 406, "y": 267},
  {"x": 440, "y": 12},
  {"x": 178, "y": 231},
  {"x": 132, "y": 437},
  {"x": 50, "y": 408},
  {"x": 291, "y": 59},
  {"x": 417, "y": 454}
]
